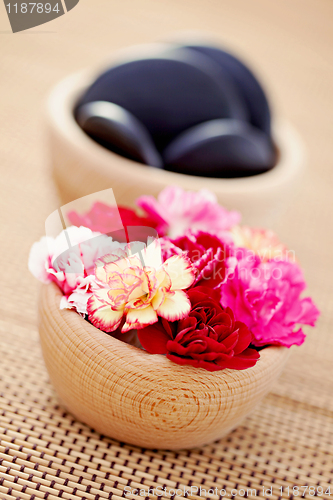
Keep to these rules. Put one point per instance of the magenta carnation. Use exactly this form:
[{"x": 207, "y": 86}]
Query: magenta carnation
[{"x": 266, "y": 297}]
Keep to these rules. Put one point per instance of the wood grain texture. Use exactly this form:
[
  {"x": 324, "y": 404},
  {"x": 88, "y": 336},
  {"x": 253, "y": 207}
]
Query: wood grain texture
[
  {"x": 130, "y": 395},
  {"x": 80, "y": 166}
]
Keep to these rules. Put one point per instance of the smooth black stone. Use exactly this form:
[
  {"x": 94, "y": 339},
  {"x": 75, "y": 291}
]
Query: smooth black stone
[
  {"x": 118, "y": 130},
  {"x": 169, "y": 92},
  {"x": 245, "y": 82},
  {"x": 220, "y": 148}
]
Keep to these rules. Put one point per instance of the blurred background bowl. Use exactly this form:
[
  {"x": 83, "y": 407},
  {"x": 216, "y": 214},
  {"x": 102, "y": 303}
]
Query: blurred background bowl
[{"x": 81, "y": 166}]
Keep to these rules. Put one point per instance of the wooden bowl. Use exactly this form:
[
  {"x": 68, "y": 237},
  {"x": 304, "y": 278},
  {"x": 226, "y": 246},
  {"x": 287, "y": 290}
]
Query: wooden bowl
[
  {"x": 143, "y": 399},
  {"x": 81, "y": 166}
]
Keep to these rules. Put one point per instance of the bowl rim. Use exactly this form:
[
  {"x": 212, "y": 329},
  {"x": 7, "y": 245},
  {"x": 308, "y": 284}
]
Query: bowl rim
[
  {"x": 120, "y": 357},
  {"x": 59, "y": 109}
]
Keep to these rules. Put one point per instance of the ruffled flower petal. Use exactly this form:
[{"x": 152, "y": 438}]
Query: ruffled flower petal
[
  {"x": 142, "y": 292},
  {"x": 39, "y": 259},
  {"x": 175, "y": 306},
  {"x": 154, "y": 338},
  {"x": 176, "y": 211},
  {"x": 100, "y": 313},
  {"x": 145, "y": 316},
  {"x": 262, "y": 242},
  {"x": 158, "y": 298},
  {"x": 266, "y": 296},
  {"x": 181, "y": 272}
]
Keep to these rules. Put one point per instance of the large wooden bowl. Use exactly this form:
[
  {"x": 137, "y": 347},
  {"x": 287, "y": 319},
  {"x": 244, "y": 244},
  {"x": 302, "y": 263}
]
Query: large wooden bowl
[
  {"x": 143, "y": 399},
  {"x": 81, "y": 166}
]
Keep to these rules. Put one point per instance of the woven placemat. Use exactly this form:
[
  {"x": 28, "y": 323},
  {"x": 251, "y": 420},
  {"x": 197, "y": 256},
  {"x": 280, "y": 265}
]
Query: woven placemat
[
  {"x": 46, "y": 453},
  {"x": 287, "y": 441}
]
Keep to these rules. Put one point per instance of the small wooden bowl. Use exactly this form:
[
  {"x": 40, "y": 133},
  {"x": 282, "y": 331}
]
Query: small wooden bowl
[
  {"x": 81, "y": 166},
  {"x": 143, "y": 399}
]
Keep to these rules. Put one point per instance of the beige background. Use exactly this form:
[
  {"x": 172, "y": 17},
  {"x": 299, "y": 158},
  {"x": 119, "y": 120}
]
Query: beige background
[{"x": 289, "y": 43}]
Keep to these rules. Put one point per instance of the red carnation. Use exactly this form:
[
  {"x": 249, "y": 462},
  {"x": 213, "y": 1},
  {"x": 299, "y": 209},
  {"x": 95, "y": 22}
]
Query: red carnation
[
  {"x": 210, "y": 255},
  {"x": 208, "y": 338},
  {"x": 105, "y": 218}
]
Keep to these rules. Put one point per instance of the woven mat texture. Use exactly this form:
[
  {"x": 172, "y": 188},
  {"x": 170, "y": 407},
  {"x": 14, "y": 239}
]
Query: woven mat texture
[{"x": 287, "y": 441}]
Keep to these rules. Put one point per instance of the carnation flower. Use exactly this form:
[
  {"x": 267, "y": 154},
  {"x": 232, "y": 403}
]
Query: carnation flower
[
  {"x": 79, "y": 297},
  {"x": 209, "y": 254},
  {"x": 266, "y": 297},
  {"x": 208, "y": 338},
  {"x": 262, "y": 242},
  {"x": 176, "y": 211},
  {"x": 105, "y": 218},
  {"x": 51, "y": 259},
  {"x": 137, "y": 291},
  {"x": 204, "y": 294}
]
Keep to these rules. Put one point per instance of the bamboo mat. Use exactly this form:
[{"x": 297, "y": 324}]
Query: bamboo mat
[{"x": 287, "y": 441}]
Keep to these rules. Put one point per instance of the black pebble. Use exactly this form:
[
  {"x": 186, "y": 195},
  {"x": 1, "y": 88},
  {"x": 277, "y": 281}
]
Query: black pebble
[
  {"x": 170, "y": 92},
  {"x": 118, "y": 130},
  {"x": 245, "y": 82},
  {"x": 220, "y": 148}
]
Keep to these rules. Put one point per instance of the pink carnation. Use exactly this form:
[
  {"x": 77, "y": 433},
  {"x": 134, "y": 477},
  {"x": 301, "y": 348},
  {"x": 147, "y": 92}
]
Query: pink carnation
[
  {"x": 266, "y": 297},
  {"x": 176, "y": 211}
]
